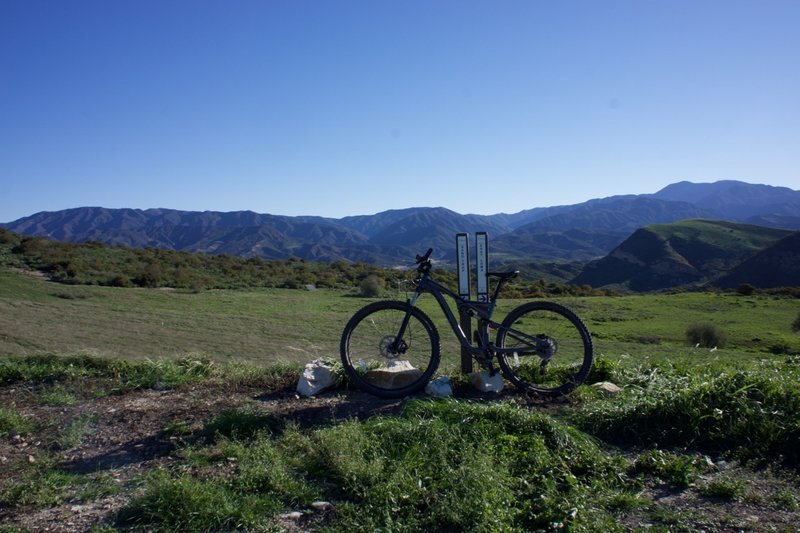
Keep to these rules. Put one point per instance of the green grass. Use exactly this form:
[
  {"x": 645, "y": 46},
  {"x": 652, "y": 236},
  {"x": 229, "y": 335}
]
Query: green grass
[
  {"x": 262, "y": 325},
  {"x": 440, "y": 466},
  {"x": 654, "y": 326},
  {"x": 58, "y": 395},
  {"x": 43, "y": 484},
  {"x": 444, "y": 465},
  {"x": 12, "y": 422},
  {"x": 751, "y": 414},
  {"x": 282, "y": 325},
  {"x": 74, "y": 433}
]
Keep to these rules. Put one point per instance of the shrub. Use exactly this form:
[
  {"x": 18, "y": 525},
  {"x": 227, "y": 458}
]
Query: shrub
[
  {"x": 745, "y": 289},
  {"x": 120, "y": 281},
  {"x": 706, "y": 335},
  {"x": 796, "y": 324},
  {"x": 7, "y": 237},
  {"x": 151, "y": 275},
  {"x": 371, "y": 286}
]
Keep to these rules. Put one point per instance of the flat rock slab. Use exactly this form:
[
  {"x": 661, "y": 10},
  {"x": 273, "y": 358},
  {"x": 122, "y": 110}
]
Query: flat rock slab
[{"x": 395, "y": 375}]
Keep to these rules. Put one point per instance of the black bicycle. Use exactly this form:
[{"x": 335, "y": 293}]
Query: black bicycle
[{"x": 390, "y": 348}]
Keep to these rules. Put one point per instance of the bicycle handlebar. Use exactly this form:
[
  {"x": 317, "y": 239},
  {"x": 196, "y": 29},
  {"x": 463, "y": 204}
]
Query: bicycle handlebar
[{"x": 424, "y": 258}]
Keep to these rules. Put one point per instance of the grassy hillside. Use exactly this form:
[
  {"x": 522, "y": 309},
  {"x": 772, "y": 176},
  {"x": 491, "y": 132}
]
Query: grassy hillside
[
  {"x": 270, "y": 325},
  {"x": 687, "y": 253},
  {"x": 768, "y": 268},
  {"x": 712, "y": 246},
  {"x": 93, "y": 263}
]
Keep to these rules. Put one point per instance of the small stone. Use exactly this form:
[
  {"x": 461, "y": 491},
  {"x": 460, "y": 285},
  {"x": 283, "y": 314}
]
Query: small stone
[
  {"x": 607, "y": 388},
  {"x": 294, "y": 515},
  {"x": 31, "y": 459},
  {"x": 439, "y": 387},
  {"x": 322, "y": 506}
]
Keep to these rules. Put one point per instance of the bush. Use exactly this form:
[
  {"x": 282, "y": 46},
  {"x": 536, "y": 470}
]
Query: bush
[
  {"x": 121, "y": 280},
  {"x": 706, "y": 335},
  {"x": 796, "y": 324},
  {"x": 371, "y": 286},
  {"x": 7, "y": 237},
  {"x": 745, "y": 289}
]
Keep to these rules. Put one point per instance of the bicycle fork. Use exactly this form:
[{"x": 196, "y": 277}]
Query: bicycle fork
[{"x": 399, "y": 346}]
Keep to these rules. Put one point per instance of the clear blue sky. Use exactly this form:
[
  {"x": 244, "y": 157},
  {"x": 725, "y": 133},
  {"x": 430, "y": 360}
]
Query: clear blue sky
[{"x": 343, "y": 107}]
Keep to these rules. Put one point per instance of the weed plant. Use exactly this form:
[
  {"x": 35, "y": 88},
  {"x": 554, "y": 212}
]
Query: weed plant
[
  {"x": 680, "y": 470},
  {"x": 74, "y": 433},
  {"x": 753, "y": 414},
  {"x": 42, "y": 484},
  {"x": 12, "y": 422}
]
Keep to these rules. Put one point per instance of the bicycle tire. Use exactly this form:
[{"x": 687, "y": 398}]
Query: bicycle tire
[
  {"x": 562, "y": 356},
  {"x": 364, "y": 350}
]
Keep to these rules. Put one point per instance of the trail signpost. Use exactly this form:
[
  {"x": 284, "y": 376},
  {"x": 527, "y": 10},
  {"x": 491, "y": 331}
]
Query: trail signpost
[
  {"x": 462, "y": 260},
  {"x": 465, "y": 283},
  {"x": 481, "y": 266}
]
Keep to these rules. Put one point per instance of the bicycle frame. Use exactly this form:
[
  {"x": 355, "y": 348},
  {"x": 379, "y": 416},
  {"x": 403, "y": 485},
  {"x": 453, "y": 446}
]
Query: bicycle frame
[{"x": 481, "y": 311}]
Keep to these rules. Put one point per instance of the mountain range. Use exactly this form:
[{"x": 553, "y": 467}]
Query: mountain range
[{"x": 604, "y": 229}]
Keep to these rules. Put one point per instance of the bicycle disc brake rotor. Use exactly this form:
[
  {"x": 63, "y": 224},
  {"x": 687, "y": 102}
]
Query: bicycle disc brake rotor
[
  {"x": 391, "y": 349},
  {"x": 546, "y": 348}
]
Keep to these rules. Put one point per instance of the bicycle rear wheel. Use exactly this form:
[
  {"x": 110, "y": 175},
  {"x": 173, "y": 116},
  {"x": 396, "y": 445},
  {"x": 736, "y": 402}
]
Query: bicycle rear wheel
[
  {"x": 553, "y": 349},
  {"x": 379, "y": 363}
]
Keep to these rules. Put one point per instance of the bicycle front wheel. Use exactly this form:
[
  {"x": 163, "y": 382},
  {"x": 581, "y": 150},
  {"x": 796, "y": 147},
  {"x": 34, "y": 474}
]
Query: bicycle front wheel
[
  {"x": 379, "y": 362},
  {"x": 552, "y": 349}
]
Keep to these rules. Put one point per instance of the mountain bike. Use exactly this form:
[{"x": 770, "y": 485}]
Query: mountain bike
[{"x": 390, "y": 348}]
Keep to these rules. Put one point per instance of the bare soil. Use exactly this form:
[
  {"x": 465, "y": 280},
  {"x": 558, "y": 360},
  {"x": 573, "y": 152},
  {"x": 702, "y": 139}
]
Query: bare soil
[{"x": 130, "y": 435}]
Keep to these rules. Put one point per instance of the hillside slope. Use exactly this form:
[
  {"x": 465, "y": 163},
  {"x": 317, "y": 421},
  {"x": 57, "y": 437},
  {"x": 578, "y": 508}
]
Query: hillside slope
[
  {"x": 668, "y": 255},
  {"x": 776, "y": 266}
]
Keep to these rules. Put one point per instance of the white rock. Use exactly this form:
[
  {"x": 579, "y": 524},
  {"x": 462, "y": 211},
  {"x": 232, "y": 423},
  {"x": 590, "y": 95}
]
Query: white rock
[
  {"x": 317, "y": 376},
  {"x": 439, "y": 387},
  {"x": 321, "y": 506}
]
